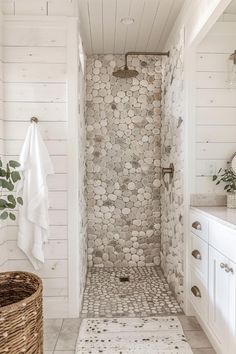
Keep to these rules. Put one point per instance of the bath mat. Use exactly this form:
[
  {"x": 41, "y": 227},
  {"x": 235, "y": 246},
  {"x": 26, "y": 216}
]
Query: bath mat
[{"x": 152, "y": 335}]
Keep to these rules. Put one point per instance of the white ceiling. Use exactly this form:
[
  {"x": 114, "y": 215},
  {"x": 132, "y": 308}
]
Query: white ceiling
[{"x": 103, "y": 32}]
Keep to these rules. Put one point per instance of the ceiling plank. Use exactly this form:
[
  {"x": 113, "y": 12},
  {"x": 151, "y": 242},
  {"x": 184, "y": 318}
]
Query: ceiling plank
[
  {"x": 136, "y": 12},
  {"x": 123, "y": 10},
  {"x": 159, "y": 24},
  {"x": 96, "y": 25},
  {"x": 149, "y": 13},
  {"x": 85, "y": 26},
  {"x": 109, "y": 25},
  {"x": 174, "y": 11}
]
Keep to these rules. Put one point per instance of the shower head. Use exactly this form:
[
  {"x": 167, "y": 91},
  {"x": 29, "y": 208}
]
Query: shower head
[{"x": 125, "y": 73}]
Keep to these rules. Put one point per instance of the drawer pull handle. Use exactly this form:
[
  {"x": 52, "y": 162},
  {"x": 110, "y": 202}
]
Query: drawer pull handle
[
  {"x": 228, "y": 269},
  {"x": 196, "y": 254},
  {"x": 196, "y": 292},
  {"x": 196, "y": 225}
]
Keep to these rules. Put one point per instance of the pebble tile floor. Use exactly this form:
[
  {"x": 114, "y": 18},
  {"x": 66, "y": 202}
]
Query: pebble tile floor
[
  {"x": 145, "y": 294},
  {"x": 61, "y": 334}
]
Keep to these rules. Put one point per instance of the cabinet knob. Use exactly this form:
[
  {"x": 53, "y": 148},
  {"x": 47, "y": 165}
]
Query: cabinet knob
[
  {"x": 229, "y": 269},
  {"x": 196, "y": 292},
  {"x": 222, "y": 265},
  {"x": 196, "y": 254},
  {"x": 196, "y": 225}
]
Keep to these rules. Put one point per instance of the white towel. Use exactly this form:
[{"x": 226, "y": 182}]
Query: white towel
[{"x": 33, "y": 215}]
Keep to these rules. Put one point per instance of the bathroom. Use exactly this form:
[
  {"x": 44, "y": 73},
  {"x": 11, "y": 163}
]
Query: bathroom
[{"x": 135, "y": 103}]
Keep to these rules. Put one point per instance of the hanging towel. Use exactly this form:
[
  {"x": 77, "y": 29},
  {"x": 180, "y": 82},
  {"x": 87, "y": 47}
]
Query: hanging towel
[{"x": 33, "y": 215}]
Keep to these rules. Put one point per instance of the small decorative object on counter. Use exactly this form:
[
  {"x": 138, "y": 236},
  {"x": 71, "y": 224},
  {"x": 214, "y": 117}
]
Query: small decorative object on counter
[{"x": 228, "y": 176}]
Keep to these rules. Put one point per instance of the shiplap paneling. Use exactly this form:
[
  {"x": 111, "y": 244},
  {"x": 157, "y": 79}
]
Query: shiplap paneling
[
  {"x": 216, "y": 106},
  {"x": 3, "y": 238},
  {"x": 39, "y": 7},
  {"x": 49, "y": 130},
  {"x": 34, "y": 92},
  {"x": 103, "y": 32},
  {"x": 22, "y": 111},
  {"x": 35, "y": 83},
  {"x": 216, "y": 116},
  {"x": 39, "y": 55},
  {"x": 29, "y": 72},
  {"x": 56, "y": 232},
  {"x": 55, "y": 147},
  {"x": 33, "y": 36},
  {"x": 30, "y": 7}
]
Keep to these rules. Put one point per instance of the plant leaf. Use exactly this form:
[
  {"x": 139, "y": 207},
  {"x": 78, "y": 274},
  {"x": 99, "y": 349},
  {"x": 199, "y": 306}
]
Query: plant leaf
[
  {"x": 11, "y": 199},
  {"x": 14, "y": 164},
  {"x": 4, "y": 215},
  {"x": 15, "y": 176},
  {"x": 20, "y": 200},
  {"x": 12, "y": 216}
]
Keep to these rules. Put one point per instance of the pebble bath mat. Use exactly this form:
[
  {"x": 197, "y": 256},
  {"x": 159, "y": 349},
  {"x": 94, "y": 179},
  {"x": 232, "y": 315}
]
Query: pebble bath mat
[{"x": 153, "y": 335}]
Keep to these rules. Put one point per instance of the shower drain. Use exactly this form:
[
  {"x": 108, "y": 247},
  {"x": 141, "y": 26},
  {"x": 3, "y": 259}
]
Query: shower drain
[{"x": 124, "y": 279}]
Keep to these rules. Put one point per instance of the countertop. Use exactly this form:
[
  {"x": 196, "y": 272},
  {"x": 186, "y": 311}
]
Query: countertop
[{"x": 222, "y": 214}]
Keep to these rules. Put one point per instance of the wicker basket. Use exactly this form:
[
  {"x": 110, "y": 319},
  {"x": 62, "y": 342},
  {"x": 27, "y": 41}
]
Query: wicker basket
[{"x": 21, "y": 319}]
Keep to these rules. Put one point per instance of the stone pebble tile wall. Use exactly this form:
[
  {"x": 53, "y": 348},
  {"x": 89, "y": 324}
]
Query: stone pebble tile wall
[
  {"x": 172, "y": 151},
  {"x": 123, "y": 162}
]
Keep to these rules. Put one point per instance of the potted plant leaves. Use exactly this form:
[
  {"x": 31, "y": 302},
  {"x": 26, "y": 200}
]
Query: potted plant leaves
[
  {"x": 9, "y": 176},
  {"x": 228, "y": 176}
]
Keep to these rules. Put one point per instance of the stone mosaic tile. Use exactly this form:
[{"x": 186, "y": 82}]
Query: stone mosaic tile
[
  {"x": 123, "y": 181},
  {"x": 132, "y": 336},
  {"x": 145, "y": 294},
  {"x": 172, "y": 151}
]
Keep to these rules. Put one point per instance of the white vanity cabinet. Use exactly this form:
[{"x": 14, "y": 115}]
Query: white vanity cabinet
[
  {"x": 212, "y": 288},
  {"x": 222, "y": 297}
]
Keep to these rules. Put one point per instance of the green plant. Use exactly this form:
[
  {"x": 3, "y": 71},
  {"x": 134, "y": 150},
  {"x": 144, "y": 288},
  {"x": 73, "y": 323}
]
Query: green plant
[
  {"x": 9, "y": 176},
  {"x": 227, "y": 176}
]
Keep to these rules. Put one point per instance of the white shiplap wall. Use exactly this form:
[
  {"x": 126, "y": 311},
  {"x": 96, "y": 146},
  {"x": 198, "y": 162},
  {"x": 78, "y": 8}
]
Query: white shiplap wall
[
  {"x": 39, "y": 7},
  {"x": 216, "y": 106},
  {"x": 36, "y": 83},
  {"x": 3, "y": 236}
]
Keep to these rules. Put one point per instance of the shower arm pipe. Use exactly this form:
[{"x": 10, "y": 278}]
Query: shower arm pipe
[{"x": 143, "y": 53}]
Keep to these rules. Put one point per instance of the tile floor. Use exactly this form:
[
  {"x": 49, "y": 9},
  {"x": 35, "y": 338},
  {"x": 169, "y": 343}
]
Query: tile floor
[
  {"x": 145, "y": 294},
  {"x": 61, "y": 336}
]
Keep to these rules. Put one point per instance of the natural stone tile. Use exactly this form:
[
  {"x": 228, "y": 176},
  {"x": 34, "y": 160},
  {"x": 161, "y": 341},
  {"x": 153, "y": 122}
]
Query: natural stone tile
[
  {"x": 146, "y": 293},
  {"x": 197, "y": 339}
]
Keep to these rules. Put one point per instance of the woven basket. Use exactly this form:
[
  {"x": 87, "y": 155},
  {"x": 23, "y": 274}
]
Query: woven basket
[{"x": 21, "y": 319}]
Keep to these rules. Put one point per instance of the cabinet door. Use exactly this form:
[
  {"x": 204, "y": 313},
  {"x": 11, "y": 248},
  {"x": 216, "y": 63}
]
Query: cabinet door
[{"x": 222, "y": 300}]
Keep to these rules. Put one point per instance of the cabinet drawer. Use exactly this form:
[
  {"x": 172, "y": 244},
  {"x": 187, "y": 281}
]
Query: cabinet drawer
[
  {"x": 223, "y": 239},
  {"x": 198, "y": 295},
  {"x": 199, "y": 256},
  {"x": 199, "y": 225}
]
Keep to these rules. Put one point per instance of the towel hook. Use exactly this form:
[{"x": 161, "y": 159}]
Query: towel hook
[{"x": 34, "y": 119}]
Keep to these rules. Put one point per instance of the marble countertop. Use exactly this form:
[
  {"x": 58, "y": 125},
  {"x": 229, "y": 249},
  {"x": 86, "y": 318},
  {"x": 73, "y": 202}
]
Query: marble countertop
[{"x": 222, "y": 214}]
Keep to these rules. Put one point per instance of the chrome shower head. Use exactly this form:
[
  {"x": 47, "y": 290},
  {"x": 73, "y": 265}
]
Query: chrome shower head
[{"x": 125, "y": 73}]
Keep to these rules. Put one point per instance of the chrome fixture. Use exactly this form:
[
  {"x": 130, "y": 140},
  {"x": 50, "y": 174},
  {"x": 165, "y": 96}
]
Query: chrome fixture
[{"x": 126, "y": 73}]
